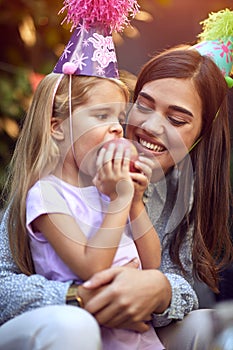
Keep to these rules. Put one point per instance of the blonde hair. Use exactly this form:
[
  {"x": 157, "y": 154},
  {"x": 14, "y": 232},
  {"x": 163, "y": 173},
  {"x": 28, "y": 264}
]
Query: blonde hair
[{"x": 36, "y": 153}]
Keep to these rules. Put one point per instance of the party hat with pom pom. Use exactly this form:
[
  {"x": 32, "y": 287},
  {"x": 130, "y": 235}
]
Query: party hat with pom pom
[
  {"x": 216, "y": 41},
  {"x": 91, "y": 50}
]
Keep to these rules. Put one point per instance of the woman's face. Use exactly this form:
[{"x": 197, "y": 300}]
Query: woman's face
[{"x": 166, "y": 120}]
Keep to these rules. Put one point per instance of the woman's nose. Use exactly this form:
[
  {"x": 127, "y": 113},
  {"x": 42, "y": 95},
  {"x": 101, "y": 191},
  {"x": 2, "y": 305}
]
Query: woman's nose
[{"x": 154, "y": 124}]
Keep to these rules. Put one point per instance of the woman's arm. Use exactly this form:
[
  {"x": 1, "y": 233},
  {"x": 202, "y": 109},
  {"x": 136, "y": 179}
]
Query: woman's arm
[
  {"x": 20, "y": 293},
  {"x": 184, "y": 298}
]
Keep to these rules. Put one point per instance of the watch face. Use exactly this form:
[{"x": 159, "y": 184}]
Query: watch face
[
  {"x": 72, "y": 292},
  {"x": 71, "y": 296}
]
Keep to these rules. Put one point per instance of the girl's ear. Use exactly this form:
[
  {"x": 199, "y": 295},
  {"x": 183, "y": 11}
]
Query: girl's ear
[{"x": 57, "y": 130}]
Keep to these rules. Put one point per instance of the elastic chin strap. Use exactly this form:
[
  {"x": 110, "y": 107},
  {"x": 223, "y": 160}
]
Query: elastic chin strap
[
  {"x": 70, "y": 106},
  {"x": 70, "y": 115},
  {"x": 195, "y": 143},
  {"x": 201, "y": 137}
]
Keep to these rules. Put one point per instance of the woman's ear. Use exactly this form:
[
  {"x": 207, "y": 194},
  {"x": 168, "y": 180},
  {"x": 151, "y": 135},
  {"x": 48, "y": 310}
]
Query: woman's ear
[{"x": 57, "y": 130}]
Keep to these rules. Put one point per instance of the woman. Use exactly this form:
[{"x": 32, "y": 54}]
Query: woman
[
  {"x": 180, "y": 117},
  {"x": 178, "y": 93}
]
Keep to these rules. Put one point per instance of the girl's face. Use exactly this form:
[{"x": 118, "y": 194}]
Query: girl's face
[
  {"x": 166, "y": 120},
  {"x": 96, "y": 122}
]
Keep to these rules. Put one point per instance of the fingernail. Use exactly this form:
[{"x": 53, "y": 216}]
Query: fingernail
[
  {"x": 87, "y": 284},
  {"x": 135, "y": 261}
]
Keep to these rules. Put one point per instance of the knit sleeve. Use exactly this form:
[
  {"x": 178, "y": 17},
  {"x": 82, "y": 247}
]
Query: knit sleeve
[{"x": 20, "y": 293}]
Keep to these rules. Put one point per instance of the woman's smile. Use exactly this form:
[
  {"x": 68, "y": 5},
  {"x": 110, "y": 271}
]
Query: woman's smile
[{"x": 155, "y": 147}]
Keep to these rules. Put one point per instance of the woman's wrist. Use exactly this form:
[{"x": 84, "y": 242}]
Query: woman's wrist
[{"x": 73, "y": 296}]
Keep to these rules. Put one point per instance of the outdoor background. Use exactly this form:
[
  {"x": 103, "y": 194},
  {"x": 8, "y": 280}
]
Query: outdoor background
[{"x": 32, "y": 39}]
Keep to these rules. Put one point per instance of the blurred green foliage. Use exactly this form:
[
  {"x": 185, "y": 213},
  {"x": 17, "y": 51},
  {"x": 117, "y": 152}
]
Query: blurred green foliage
[
  {"x": 18, "y": 61},
  {"x": 15, "y": 91}
]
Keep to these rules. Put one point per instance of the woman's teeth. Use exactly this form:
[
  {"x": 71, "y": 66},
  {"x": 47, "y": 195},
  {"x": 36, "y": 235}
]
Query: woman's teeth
[{"x": 151, "y": 146}]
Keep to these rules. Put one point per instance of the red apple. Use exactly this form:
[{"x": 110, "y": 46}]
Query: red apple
[{"x": 133, "y": 151}]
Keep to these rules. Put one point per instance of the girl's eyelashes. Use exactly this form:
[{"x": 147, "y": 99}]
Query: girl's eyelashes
[
  {"x": 122, "y": 118},
  {"x": 103, "y": 116}
]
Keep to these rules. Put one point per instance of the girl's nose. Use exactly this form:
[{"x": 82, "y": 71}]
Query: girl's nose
[
  {"x": 154, "y": 124},
  {"x": 116, "y": 128}
]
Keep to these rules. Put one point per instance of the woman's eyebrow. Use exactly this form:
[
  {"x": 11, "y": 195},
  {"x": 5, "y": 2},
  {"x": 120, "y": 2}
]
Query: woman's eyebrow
[
  {"x": 181, "y": 109},
  {"x": 173, "y": 107},
  {"x": 148, "y": 97}
]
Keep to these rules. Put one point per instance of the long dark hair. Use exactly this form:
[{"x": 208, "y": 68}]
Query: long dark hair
[{"x": 212, "y": 248}]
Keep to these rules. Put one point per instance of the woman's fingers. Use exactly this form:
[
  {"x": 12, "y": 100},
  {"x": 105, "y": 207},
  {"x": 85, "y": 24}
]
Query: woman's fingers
[
  {"x": 134, "y": 263},
  {"x": 133, "y": 293},
  {"x": 120, "y": 318},
  {"x": 102, "y": 278},
  {"x": 140, "y": 327}
]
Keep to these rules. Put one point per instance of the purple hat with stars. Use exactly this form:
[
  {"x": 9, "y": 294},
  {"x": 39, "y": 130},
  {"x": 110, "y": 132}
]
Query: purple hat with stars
[{"x": 91, "y": 50}]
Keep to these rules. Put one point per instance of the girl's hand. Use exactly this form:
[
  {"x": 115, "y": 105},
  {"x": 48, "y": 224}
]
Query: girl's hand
[
  {"x": 141, "y": 180},
  {"x": 113, "y": 177},
  {"x": 129, "y": 297}
]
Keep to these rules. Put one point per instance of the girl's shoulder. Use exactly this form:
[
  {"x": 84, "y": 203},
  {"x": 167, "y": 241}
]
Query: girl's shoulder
[{"x": 51, "y": 188}]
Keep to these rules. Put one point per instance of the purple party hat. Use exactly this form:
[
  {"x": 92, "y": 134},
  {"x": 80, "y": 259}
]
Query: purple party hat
[
  {"x": 91, "y": 50},
  {"x": 216, "y": 41}
]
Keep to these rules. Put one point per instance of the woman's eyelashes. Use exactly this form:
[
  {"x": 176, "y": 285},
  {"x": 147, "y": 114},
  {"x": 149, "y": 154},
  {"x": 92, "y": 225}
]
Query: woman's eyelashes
[
  {"x": 143, "y": 108},
  {"x": 176, "y": 121}
]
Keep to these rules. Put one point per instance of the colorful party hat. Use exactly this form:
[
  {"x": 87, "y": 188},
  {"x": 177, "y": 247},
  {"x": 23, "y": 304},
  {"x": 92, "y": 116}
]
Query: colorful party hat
[
  {"x": 91, "y": 50},
  {"x": 216, "y": 41}
]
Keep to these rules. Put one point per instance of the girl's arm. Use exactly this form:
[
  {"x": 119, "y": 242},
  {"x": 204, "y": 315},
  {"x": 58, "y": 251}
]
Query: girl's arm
[
  {"x": 85, "y": 257},
  {"x": 145, "y": 235}
]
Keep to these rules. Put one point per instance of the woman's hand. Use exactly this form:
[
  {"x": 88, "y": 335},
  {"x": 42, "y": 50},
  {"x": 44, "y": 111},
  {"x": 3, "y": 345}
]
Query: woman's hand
[{"x": 127, "y": 297}]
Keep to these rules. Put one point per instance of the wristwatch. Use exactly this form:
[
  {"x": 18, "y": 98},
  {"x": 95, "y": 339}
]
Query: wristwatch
[{"x": 73, "y": 297}]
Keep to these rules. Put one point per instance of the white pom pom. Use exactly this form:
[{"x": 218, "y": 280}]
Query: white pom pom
[{"x": 69, "y": 68}]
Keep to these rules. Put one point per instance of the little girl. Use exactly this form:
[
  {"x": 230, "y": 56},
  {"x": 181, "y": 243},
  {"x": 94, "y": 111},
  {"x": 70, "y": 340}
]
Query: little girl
[{"x": 83, "y": 207}]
